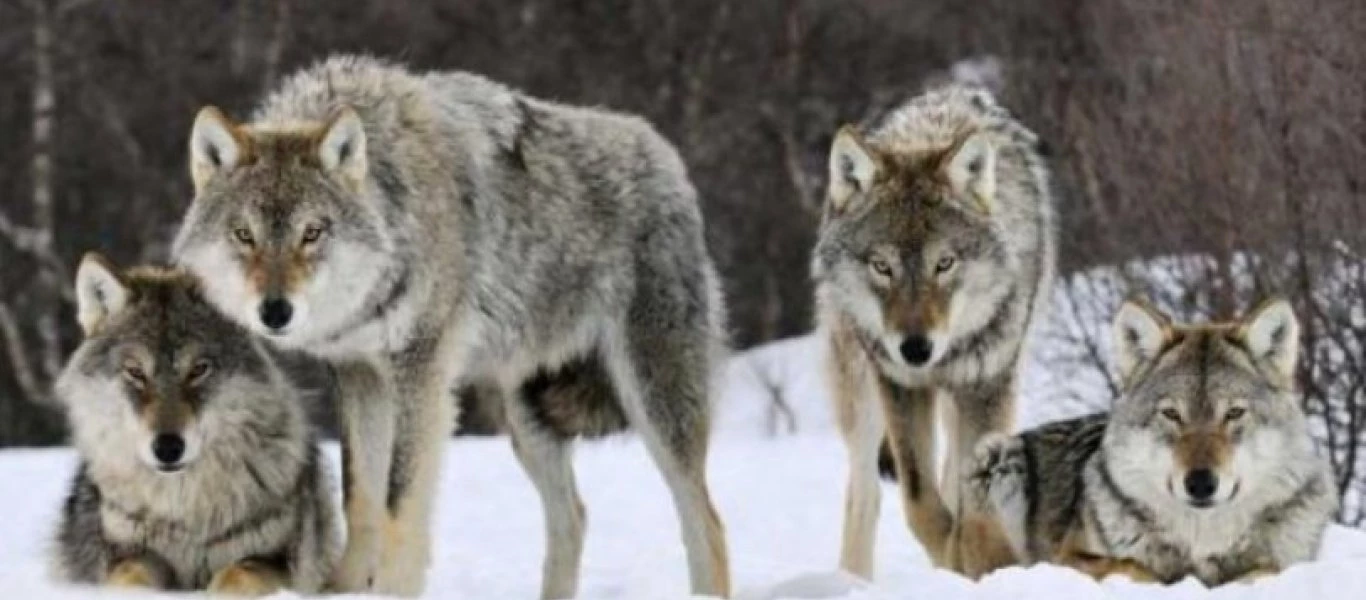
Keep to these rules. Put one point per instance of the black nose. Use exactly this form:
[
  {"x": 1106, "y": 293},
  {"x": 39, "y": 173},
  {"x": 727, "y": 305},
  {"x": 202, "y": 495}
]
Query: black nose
[
  {"x": 168, "y": 448},
  {"x": 1201, "y": 484},
  {"x": 916, "y": 349},
  {"x": 275, "y": 313}
]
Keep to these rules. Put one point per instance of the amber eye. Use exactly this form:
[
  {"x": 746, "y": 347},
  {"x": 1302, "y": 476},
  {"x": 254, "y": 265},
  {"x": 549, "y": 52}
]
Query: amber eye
[
  {"x": 243, "y": 236},
  {"x": 880, "y": 266},
  {"x": 1172, "y": 415},
  {"x": 1235, "y": 413},
  {"x": 312, "y": 234},
  {"x": 199, "y": 371},
  {"x": 135, "y": 375},
  {"x": 944, "y": 265}
]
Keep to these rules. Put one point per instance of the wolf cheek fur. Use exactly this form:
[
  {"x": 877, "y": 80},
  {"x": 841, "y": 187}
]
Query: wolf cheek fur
[
  {"x": 197, "y": 466},
  {"x": 1204, "y": 468},
  {"x": 419, "y": 230}
]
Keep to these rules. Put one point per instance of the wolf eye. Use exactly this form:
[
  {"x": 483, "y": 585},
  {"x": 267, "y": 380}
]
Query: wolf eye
[
  {"x": 1235, "y": 413},
  {"x": 1172, "y": 415},
  {"x": 944, "y": 265},
  {"x": 243, "y": 236},
  {"x": 880, "y": 266},
  {"x": 199, "y": 371},
  {"x": 312, "y": 234},
  {"x": 135, "y": 375}
]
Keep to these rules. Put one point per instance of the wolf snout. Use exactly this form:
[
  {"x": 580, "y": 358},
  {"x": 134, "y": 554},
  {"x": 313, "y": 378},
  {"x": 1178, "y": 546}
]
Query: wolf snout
[
  {"x": 917, "y": 349},
  {"x": 168, "y": 448},
  {"x": 1201, "y": 484},
  {"x": 275, "y": 313}
]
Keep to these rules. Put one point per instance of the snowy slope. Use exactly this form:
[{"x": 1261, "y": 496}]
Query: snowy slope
[{"x": 781, "y": 499}]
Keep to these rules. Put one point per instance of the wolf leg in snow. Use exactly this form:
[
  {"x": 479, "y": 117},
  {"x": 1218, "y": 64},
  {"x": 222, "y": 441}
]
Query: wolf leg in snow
[
  {"x": 663, "y": 384},
  {"x": 854, "y": 389},
  {"x": 977, "y": 544},
  {"x": 425, "y": 421},
  {"x": 547, "y": 459},
  {"x": 367, "y": 418},
  {"x": 910, "y": 415}
]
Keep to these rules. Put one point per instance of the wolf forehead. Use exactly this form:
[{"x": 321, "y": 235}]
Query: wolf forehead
[
  {"x": 1209, "y": 360},
  {"x": 166, "y": 312}
]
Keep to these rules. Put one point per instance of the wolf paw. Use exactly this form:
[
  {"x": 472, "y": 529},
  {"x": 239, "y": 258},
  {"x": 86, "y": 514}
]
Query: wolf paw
[
  {"x": 246, "y": 580},
  {"x": 355, "y": 572},
  {"x": 997, "y": 476},
  {"x": 132, "y": 574}
]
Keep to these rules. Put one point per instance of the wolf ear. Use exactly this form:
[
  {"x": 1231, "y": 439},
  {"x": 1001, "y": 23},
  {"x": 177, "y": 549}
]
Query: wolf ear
[
  {"x": 853, "y": 167},
  {"x": 1139, "y": 332},
  {"x": 215, "y": 145},
  {"x": 1272, "y": 333},
  {"x": 341, "y": 149},
  {"x": 100, "y": 292},
  {"x": 971, "y": 170}
]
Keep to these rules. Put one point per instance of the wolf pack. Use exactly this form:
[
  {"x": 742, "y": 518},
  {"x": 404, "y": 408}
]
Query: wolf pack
[{"x": 419, "y": 232}]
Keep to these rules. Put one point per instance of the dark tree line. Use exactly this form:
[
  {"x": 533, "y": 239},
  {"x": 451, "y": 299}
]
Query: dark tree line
[{"x": 1228, "y": 131}]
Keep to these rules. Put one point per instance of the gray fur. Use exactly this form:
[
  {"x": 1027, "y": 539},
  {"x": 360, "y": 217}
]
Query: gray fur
[
  {"x": 1114, "y": 481},
  {"x": 490, "y": 237},
  {"x": 256, "y": 490},
  {"x": 926, "y": 235}
]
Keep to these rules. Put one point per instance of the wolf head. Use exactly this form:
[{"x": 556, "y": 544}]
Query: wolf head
[
  {"x": 283, "y": 229},
  {"x": 910, "y": 247},
  {"x": 1208, "y": 412},
  {"x": 161, "y": 378}
]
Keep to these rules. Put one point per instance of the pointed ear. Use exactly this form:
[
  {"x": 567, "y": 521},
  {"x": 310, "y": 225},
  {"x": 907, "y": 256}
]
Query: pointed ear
[
  {"x": 1272, "y": 333},
  {"x": 216, "y": 144},
  {"x": 1139, "y": 333},
  {"x": 853, "y": 167},
  {"x": 971, "y": 170},
  {"x": 100, "y": 292},
  {"x": 341, "y": 149}
]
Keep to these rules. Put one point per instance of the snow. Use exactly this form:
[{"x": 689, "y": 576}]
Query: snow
[{"x": 780, "y": 496}]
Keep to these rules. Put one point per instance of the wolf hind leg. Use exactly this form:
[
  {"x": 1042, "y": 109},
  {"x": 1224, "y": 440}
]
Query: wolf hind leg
[
  {"x": 547, "y": 459},
  {"x": 663, "y": 382},
  {"x": 368, "y": 417}
]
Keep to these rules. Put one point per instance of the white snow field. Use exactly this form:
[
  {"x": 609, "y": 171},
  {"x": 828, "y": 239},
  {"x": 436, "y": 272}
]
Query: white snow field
[{"x": 780, "y": 497}]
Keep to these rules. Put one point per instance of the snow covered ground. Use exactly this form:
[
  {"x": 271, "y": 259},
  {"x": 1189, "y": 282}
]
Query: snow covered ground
[{"x": 780, "y": 498}]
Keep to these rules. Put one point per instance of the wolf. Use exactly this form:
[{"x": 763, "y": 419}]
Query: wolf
[
  {"x": 1204, "y": 467},
  {"x": 935, "y": 253},
  {"x": 197, "y": 466},
  {"x": 423, "y": 231}
]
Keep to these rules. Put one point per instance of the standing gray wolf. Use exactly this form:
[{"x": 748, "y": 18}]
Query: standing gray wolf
[
  {"x": 1205, "y": 467},
  {"x": 420, "y": 231},
  {"x": 935, "y": 253},
  {"x": 197, "y": 469}
]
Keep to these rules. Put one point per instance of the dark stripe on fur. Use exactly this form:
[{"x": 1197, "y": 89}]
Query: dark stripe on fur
[
  {"x": 1031, "y": 494},
  {"x": 395, "y": 293}
]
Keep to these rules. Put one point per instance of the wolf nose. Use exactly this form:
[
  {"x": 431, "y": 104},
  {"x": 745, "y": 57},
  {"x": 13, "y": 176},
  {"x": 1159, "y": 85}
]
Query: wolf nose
[
  {"x": 168, "y": 448},
  {"x": 275, "y": 313},
  {"x": 916, "y": 349},
  {"x": 1201, "y": 484}
]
